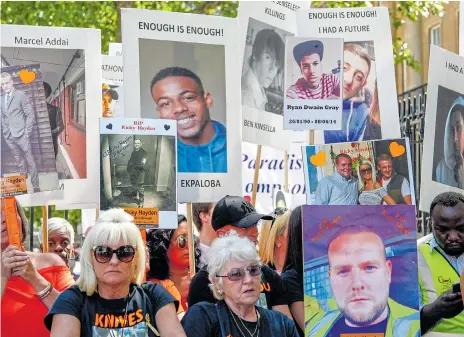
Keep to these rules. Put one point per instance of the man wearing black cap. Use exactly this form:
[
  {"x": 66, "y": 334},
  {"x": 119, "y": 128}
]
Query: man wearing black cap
[
  {"x": 314, "y": 84},
  {"x": 237, "y": 214},
  {"x": 108, "y": 95}
]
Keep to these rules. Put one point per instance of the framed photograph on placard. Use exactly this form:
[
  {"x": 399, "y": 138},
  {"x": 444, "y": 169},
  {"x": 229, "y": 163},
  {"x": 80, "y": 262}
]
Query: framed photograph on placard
[
  {"x": 181, "y": 67},
  {"x": 71, "y": 88},
  {"x": 138, "y": 169}
]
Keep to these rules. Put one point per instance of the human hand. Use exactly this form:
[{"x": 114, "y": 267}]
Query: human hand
[
  {"x": 14, "y": 262},
  {"x": 448, "y": 305}
]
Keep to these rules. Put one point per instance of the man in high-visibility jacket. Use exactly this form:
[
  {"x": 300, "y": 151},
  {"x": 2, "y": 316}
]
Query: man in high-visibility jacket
[
  {"x": 441, "y": 262},
  {"x": 360, "y": 277}
]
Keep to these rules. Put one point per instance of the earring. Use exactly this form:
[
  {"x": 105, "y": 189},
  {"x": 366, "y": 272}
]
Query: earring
[
  {"x": 220, "y": 291},
  {"x": 278, "y": 245}
]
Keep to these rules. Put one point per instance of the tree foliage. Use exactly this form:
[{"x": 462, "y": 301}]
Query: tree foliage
[{"x": 404, "y": 10}]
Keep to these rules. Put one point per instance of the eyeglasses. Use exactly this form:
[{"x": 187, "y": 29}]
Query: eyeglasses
[
  {"x": 278, "y": 211},
  {"x": 103, "y": 254},
  {"x": 368, "y": 170},
  {"x": 182, "y": 241},
  {"x": 237, "y": 274}
]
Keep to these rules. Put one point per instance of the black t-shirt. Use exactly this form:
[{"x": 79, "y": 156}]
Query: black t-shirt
[
  {"x": 202, "y": 320},
  {"x": 293, "y": 283},
  {"x": 101, "y": 317},
  {"x": 272, "y": 289},
  {"x": 136, "y": 159},
  {"x": 340, "y": 327}
]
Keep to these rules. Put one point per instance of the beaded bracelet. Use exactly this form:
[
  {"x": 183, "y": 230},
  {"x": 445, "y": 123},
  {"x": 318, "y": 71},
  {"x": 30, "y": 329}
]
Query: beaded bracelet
[{"x": 47, "y": 291}]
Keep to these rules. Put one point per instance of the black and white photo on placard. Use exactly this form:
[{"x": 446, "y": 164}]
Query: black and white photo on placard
[{"x": 69, "y": 85}]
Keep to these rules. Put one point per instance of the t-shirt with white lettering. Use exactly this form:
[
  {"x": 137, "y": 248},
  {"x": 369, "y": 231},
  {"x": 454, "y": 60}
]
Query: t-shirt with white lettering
[{"x": 133, "y": 315}]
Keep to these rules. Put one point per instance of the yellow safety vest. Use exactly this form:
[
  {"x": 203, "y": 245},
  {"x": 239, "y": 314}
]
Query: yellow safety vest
[
  {"x": 436, "y": 276},
  {"x": 402, "y": 321}
]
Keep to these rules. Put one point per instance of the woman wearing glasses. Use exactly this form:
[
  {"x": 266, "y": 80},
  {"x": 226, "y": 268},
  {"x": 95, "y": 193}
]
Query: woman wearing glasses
[
  {"x": 169, "y": 260},
  {"x": 370, "y": 190},
  {"x": 235, "y": 274},
  {"x": 109, "y": 298},
  {"x": 273, "y": 239}
]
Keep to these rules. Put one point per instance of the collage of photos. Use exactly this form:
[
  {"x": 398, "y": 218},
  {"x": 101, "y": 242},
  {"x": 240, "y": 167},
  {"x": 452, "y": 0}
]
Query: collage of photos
[
  {"x": 263, "y": 67},
  {"x": 360, "y": 271},
  {"x": 362, "y": 173}
]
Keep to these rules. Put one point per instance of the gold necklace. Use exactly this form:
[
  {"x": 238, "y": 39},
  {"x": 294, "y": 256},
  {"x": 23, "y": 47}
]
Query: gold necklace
[{"x": 238, "y": 327}]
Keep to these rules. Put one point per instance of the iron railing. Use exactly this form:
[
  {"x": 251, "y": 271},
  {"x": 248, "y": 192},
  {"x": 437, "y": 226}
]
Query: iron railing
[{"x": 412, "y": 106}]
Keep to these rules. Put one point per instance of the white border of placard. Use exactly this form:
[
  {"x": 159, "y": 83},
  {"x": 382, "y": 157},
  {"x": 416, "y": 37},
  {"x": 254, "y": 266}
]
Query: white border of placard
[
  {"x": 75, "y": 191},
  {"x": 446, "y": 69},
  {"x": 361, "y": 24},
  {"x": 192, "y": 187}
]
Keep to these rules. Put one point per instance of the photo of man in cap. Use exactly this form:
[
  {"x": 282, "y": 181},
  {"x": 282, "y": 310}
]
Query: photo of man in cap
[
  {"x": 108, "y": 95},
  {"x": 314, "y": 84}
]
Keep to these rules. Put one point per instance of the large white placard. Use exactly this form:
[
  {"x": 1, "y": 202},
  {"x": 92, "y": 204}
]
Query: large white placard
[
  {"x": 442, "y": 164},
  {"x": 263, "y": 27},
  {"x": 370, "y": 109},
  {"x": 184, "y": 67},
  {"x": 70, "y": 56}
]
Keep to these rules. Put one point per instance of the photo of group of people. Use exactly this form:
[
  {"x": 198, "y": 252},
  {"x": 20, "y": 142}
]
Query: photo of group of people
[
  {"x": 360, "y": 271},
  {"x": 263, "y": 67},
  {"x": 359, "y": 173}
]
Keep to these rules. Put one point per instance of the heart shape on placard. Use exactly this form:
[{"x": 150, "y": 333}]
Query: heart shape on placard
[
  {"x": 396, "y": 149},
  {"x": 318, "y": 159},
  {"x": 26, "y": 76},
  {"x": 109, "y": 126},
  {"x": 167, "y": 127}
]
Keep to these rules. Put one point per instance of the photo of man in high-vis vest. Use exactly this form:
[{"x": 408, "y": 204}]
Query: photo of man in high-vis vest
[{"x": 441, "y": 262}]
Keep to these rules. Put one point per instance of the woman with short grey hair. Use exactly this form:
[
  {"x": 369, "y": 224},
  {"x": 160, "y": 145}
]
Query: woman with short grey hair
[
  {"x": 235, "y": 274},
  {"x": 60, "y": 238}
]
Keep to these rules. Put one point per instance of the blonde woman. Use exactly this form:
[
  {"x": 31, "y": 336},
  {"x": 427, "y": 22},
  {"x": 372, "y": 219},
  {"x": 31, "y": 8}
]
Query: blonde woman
[
  {"x": 370, "y": 190},
  {"x": 273, "y": 239},
  {"x": 109, "y": 298}
]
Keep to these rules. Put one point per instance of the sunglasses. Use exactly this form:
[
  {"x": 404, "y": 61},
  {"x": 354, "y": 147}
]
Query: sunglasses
[
  {"x": 368, "y": 170},
  {"x": 237, "y": 274},
  {"x": 278, "y": 211},
  {"x": 182, "y": 241},
  {"x": 103, "y": 254}
]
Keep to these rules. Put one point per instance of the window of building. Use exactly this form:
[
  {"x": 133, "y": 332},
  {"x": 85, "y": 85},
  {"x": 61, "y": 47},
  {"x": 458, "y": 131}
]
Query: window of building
[
  {"x": 78, "y": 103},
  {"x": 435, "y": 35}
]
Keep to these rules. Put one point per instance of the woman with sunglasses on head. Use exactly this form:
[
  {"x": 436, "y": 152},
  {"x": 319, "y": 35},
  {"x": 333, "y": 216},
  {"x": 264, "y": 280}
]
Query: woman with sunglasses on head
[
  {"x": 169, "y": 260},
  {"x": 109, "y": 298},
  {"x": 370, "y": 190},
  {"x": 292, "y": 275},
  {"x": 235, "y": 273},
  {"x": 30, "y": 281},
  {"x": 273, "y": 239}
]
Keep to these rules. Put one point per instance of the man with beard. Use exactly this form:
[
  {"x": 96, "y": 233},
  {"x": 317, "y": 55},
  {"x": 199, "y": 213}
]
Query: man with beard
[
  {"x": 202, "y": 142},
  {"x": 341, "y": 188},
  {"x": 441, "y": 261},
  {"x": 360, "y": 277}
]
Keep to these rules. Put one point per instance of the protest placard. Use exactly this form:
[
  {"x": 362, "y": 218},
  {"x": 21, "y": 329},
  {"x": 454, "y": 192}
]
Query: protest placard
[
  {"x": 112, "y": 86},
  {"x": 365, "y": 173},
  {"x": 183, "y": 67},
  {"x": 443, "y": 169},
  {"x": 138, "y": 169},
  {"x": 360, "y": 271},
  {"x": 74, "y": 78},
  {"x": 370, "y": 109}
]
